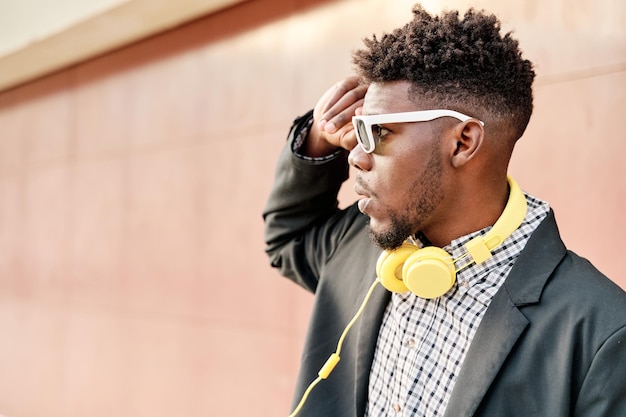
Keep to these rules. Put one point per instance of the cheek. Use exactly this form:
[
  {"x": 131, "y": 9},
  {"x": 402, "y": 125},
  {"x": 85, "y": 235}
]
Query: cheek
[
  {"x": 408, "y": 162},
  {"x": 411, "y": 179},
  {"x": 398, "y": 185}
]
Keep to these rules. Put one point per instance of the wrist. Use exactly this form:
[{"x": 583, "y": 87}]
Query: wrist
[
  {"x": 315, "y": 145},
  {"x": 306, "y": 145}
]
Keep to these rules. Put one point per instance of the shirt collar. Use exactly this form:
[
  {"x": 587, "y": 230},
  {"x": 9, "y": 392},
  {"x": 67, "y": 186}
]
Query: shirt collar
[{"x": 506, "y": 253}]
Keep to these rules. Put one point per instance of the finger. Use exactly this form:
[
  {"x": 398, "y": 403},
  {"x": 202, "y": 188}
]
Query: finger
[
  {"x": 342, "y": 118},
  {"x": 348, "y": 98},
  {"x": 347, "y": 137},
  {"x": 337, "y": 112},
  {"x": 330, "y": 98},
  {"x": 338, "y": 91}
]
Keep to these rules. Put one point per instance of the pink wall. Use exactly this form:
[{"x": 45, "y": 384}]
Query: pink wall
[{"x": 133, "y": 280}]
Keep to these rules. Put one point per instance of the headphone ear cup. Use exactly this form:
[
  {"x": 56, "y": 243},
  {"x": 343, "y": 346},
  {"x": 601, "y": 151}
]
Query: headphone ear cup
[
  {"x": 389, "y": 267},
  {"x": 429, "y": 272}
]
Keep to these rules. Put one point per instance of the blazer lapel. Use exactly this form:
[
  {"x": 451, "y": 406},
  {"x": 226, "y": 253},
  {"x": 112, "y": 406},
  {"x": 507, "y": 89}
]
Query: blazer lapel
[
  {"x": 503, "y": 322},
  {"x": 498, "y": 331}
]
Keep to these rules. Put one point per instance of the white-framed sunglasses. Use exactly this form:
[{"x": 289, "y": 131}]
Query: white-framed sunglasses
[{"x": 363, "y": 124}]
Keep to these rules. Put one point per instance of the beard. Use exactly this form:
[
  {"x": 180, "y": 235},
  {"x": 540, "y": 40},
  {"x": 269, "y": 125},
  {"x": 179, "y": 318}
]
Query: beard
[
  {"x": 400, "y": 230},
  {"x": 412, "y": 219}
]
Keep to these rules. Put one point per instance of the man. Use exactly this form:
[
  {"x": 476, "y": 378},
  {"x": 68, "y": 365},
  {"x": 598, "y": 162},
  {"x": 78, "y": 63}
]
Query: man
[{"x": 523, "y": 328}]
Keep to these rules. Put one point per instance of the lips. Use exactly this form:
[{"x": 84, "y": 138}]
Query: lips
[{"x": 361, "y": 189}]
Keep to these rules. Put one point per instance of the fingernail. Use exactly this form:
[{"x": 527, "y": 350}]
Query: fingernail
[
  {"x": 330, "y": 127},
  {"x": 321, "y": 124}
]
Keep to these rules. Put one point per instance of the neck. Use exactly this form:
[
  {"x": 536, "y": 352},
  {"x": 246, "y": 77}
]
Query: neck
[{"x": 471, "y": 209}]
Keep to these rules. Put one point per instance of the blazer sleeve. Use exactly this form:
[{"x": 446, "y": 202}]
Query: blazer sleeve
[
  {"x": 302, "y": 218},
  {"x": 604, "y": 389}
]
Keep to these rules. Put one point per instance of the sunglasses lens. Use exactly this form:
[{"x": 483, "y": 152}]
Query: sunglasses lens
[{"x": 363, "y": 137}]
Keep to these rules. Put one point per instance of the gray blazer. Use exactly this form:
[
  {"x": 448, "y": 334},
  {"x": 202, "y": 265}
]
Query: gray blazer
[{"x": 552, "y": 342}]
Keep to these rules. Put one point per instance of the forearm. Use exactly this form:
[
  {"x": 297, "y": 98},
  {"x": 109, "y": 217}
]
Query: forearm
[{"x": 303, "y": 195}]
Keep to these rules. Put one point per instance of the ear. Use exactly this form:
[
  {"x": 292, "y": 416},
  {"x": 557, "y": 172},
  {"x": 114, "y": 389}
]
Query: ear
[{"x": 469, "y": 136}]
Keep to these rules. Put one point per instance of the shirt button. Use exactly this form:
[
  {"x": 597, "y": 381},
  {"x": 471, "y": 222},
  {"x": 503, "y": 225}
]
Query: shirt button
[
  {"x": 410, "y": 343},
  {"x": 397, "y": 408},
  {"x": 465, "y": 283}
]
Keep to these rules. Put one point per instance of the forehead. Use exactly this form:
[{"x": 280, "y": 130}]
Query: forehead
[{"x": 390, "y": 97}]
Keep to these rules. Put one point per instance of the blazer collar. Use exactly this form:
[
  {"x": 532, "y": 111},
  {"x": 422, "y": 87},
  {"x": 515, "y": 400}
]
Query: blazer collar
[{"x": 531, "y": 271}]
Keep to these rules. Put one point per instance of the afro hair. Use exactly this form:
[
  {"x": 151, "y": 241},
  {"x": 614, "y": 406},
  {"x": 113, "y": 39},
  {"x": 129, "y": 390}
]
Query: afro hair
[{"x": 465, "y": 64}]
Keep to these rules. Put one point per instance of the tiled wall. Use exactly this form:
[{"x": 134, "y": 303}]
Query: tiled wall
[{"x": 133, "y": 280}]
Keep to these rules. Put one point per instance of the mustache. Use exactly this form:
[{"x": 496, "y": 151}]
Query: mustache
[{"x": 362, "y": 188}]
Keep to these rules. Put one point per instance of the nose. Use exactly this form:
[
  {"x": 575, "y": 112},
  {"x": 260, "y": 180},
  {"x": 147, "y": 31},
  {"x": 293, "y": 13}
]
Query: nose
[{"x": 359, "y": 159}]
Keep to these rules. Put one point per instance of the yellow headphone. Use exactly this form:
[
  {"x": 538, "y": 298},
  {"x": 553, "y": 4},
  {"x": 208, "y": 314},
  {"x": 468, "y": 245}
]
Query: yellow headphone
[{"x": 430, "y": 272}]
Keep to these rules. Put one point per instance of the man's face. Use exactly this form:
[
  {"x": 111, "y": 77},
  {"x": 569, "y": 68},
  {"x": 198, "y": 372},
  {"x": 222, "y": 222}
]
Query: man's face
[{"x": 401, "y": 181}]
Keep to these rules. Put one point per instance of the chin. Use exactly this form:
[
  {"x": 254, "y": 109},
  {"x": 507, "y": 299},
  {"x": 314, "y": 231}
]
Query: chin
[
  {"x": 387, "y": 240},
  {"x": 390, "y": 234}
]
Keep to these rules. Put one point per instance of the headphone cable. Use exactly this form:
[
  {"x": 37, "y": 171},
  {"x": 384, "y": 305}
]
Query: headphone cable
[{"x": 333, "y": 360}]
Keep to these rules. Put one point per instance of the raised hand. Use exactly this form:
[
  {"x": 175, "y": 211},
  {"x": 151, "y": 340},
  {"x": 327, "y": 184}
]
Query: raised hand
[{"x": 332, "y": 124}]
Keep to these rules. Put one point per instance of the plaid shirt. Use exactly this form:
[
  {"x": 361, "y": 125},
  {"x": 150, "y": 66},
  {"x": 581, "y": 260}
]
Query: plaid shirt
[{"x": 422, "y": 343}]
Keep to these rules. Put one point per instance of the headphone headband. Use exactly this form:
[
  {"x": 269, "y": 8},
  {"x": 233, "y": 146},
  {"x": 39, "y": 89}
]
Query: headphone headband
[{"x": 512, "y": 217}]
